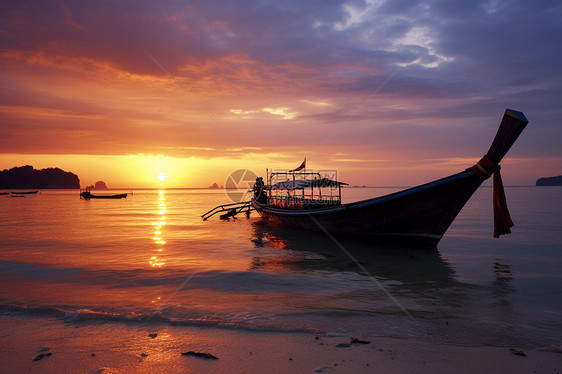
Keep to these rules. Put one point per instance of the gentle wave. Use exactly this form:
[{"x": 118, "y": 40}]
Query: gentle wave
[
  {"x": 217, "y": 280},
  {"x": 88, "y": 315}
]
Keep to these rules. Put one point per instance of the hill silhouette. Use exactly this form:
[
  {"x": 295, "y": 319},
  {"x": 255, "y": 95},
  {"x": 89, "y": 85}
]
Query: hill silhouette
[
  {"x": 25, "y": 177},
  {"x": 550, "y": 181},
  {"x": 100, "y": 185}
]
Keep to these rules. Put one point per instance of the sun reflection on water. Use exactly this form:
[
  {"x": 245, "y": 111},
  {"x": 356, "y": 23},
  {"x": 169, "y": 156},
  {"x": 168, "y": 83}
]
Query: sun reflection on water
[{"x": 156, "y": 261}]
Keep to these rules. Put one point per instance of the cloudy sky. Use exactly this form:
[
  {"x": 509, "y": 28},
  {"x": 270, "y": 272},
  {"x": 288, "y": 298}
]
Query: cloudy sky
[{"x": 393, "y": 92}]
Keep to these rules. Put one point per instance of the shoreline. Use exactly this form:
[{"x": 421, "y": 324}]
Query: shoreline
[{"x": 110, "y": 347}]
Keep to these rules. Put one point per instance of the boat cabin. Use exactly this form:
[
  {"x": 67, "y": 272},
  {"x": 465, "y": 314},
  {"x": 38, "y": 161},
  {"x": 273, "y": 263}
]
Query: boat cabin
[{"x": 297, "y": 190}]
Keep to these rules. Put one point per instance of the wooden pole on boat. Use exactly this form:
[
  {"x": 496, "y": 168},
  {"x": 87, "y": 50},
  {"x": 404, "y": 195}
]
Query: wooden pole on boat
[
  {"x": 294, "y": 191},
  {"x": 339, "y": 192}
]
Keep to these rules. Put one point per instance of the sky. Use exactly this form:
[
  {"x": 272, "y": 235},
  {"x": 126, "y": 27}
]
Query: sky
[{"x": 181, "y": 93}]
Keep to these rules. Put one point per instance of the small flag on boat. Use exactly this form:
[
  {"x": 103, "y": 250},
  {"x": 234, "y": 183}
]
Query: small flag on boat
[{"x": 303, "y": 165}]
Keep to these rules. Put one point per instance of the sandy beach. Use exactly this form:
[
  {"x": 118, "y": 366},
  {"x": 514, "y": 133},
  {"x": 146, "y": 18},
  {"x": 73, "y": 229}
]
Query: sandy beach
[{"x": 107, "y": 347}]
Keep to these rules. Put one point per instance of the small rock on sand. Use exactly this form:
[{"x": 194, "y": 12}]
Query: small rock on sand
[
  {"x": 352, "y": 341},
  {"x": 41, "y": 355},
  {"x": 357, "y": 341},
  {"x": 206, "y": 356},
  {"x": 322, "y": 369},
  {"x": 517, "y": 353}
]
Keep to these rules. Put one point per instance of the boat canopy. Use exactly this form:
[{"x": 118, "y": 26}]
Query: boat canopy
[{"x": 306, "y": 183}]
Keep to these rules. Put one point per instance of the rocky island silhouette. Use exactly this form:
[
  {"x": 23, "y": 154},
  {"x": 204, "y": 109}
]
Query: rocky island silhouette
[{"x": 26, "y": 177}]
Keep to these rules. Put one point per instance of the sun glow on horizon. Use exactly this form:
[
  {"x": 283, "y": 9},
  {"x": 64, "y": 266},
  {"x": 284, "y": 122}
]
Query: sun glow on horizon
[{"x": 160, "y": 171}]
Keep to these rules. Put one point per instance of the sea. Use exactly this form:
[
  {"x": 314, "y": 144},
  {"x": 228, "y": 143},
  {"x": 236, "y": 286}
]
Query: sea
[{"x": 151, "y": 259}]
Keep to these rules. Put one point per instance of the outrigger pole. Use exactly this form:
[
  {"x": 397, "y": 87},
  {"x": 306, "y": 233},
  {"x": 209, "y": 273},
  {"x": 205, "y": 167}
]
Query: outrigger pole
[{"x": 232, "y": 210}]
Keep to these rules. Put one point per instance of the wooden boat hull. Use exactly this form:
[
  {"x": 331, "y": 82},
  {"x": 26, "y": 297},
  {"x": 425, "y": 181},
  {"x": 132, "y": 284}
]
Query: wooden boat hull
[{"x": 423, "y": 213}]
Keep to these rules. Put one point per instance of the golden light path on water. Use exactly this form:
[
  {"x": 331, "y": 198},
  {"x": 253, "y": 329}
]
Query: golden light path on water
[{"x": 156, "y": 260}]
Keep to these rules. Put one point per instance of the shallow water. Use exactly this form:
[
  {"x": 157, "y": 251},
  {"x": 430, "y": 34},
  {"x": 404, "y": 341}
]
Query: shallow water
[{"x": 151, "y": 258}]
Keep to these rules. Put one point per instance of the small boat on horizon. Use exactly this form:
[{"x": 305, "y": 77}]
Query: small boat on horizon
[{"x": 88, "y": 195}]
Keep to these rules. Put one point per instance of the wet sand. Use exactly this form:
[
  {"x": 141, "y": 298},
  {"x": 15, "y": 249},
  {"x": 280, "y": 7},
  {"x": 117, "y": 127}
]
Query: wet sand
[{"x": 107, "y": 347}]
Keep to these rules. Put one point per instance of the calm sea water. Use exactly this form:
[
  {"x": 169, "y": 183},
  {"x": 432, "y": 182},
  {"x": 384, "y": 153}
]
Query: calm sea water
[{"x": 151, "y": 259}]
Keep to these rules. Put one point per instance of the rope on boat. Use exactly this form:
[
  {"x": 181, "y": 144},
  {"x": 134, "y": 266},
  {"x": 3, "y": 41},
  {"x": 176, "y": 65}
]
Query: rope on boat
[{"x": 502, "y": 219}]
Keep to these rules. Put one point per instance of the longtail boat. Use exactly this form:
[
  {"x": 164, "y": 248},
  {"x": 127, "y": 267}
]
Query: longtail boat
[
  {"x": 88, "y": 195},
  {"x": 24, "y": 192},
  {"x": 422, "y": 213}
]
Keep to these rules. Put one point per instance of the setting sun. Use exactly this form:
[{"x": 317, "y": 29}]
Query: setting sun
[{"x": 162, "y": 176}]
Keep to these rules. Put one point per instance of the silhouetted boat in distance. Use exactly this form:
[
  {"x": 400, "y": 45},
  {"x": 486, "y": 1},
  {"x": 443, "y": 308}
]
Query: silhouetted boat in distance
[
  {"x": 88, "y": 195},
  {"x": 24, "y": 192},
  {"x": 422, "y": 213}
]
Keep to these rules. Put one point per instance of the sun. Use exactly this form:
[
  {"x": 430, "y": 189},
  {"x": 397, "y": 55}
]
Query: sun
[{"x": 162, "y": 176}]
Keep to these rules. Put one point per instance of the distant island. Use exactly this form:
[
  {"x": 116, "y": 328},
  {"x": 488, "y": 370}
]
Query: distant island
[
  {"x": 25, "y": 177},
  {"x": 550, "y": 181},
  {"x": 215, "y": 187},
  {"x": 100, "y": 185}
]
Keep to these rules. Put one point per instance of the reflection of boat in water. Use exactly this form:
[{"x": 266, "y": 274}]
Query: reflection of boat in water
[
  {"x": 88, "y": 195},
  {"x": 24, "y": 192},
  {"x": 311, "y": 251},
  {"x": 382, "y": 279},
  {"x": 422, "y": 213}
]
